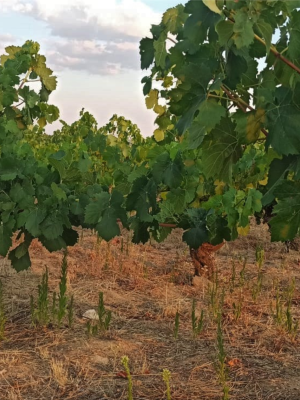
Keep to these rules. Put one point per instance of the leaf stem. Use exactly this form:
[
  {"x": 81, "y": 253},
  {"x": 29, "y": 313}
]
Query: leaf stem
[{"x": 25, "y": 79}]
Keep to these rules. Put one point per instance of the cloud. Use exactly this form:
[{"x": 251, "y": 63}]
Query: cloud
[
  {"x": 16, "y": 5},
  {"x": 94, "y": 57},
  {"x": 98, "y": 36},
  {"x": 6, "y": 40},
  {"x": 105, "y": 20},
  {"x": 128, "y": 18}
]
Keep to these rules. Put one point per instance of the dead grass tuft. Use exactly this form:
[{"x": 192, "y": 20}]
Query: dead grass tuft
[
  {"x": 59, "y": 372},
  {"x": 144, "y": 286}
]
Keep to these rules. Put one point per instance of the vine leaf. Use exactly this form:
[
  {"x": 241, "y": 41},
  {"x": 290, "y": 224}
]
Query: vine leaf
[
  {"x": 283, "y": 121},
  {"x": 220, "y": 150}
]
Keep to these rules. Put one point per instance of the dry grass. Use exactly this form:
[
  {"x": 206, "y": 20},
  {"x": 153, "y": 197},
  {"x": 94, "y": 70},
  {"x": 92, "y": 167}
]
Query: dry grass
[{"x": 144, "y": 286}]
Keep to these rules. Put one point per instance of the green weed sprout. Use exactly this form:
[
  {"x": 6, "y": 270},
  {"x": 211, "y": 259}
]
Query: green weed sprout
[
  {"x": 166, "y": 378},
  {"x": 2, "y": 313},
  {"x": 125, "y": 362},
  {"x": 197, "y": 324}
]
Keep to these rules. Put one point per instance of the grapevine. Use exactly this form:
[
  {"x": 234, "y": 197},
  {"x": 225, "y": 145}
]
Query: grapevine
[{"x": 224, "y": 81}]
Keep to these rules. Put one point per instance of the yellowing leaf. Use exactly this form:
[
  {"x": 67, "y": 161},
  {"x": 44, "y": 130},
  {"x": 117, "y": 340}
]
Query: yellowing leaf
[
  {"x": 159, "y": 135},
  {"x": 250, "y": 186},
  {"x": 189, "y": 163},
  {"x": 168, "y": 81},
  {"x": 254, "y": 125},
  {"x": 160, "y": 110},
  {"x": 152, "y": 98},
  {"x": 219, "y": 187},
  {"x": 211, "y": 4},
  {"x": 243, "y": 231},
  {"x": 263, "y": 182},
  {"x": 20, "y": 124},
  {"x": 195, "y": 204},
  {"x": 42, "y": 122},
  {"x": 125, "y": 150},
  {"x": 163, "y": 195},
  {"x": 112, "y": 140}
]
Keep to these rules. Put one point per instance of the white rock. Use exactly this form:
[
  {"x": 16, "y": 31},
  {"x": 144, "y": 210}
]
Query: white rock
[{"x": 91, "y": 314}]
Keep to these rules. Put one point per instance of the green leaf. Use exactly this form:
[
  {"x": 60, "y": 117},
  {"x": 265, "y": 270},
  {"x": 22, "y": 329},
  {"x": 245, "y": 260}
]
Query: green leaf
[
  {"x": 52, "y": 227},
  {"x": 235, "y": 67},
  {"x": 70, "y": 236},
  {"x": 53, "y": 244},
  {"x": 174, "y": 18},
  {"x": 198, "y": 234},
  {"x": 277, "y": 173},
  {"x": 294, "y": 44},
  {"x": 210, "y": 114},
  {"x": 221, "y": 150},
  {"x": 243, "y": 29},
  {"x": 94, "y": 210},
  {"x": 5, "y": 240},
  {"x": 59, "y": 193},
  {"x": 19, "y": 263},
  {"x": 285, "y": 225},
  {"x": 253, "y": 201},
  {"x": 266, "y": 32},
  {"x": 200, "y": 23},
  {"x": 35, "y": 218},
  {"x": 283, "y": 121},
  {"x": 30, "y": 97},
  {"x": 160, "y": 51},
  {"x": 225, "y": 32},
  {"x": 108, "y": 227},
  {"x": 146, "y": 52},
  {"x": 168, "y": 171}
]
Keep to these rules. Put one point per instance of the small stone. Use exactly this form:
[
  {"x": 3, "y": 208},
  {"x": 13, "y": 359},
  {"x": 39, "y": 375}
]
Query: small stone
[{"x": 91, "y": 314}]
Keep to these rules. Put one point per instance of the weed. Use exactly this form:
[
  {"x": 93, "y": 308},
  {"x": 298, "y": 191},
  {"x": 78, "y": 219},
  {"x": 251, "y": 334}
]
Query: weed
[
  {"x": 197, "y": 324},
  {"x": 62, "y": 298},
  {"x": 259, "y": 255},
  {"x": 166, "y": 378},
  {"x": 92, "y": 329},
  {"x": 213, "y": 297},
  {"x": 290, "y": 325},
  {"x": 242, "y": 272},
  {"x": 53, "y": 308},
  {"x": 221, "y": 358},
  {"x": 39, "y": 313},
  {"x": 278, "y": 316},
  {"x": 233, "y": 277},
  {"x": 104, "y": 319},
  {"x": 71, "y": 312},
  {"x": 176, "y": 325},
  {"x": 104, "y": 315},
  {"x": 284, "y": 317},
  {"x": 125, "y": 362},
  {"x": 256, "y": 290},
  {"x": 2, "y": 313},
  {"x": 237, "y": 307}
]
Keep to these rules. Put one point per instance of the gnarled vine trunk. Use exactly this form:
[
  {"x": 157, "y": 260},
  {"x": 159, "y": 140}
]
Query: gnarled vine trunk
[{"x": 203, "y": 259}]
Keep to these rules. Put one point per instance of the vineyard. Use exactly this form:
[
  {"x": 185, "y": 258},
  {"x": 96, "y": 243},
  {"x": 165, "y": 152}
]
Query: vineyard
[{"x": 105, "y": 214}]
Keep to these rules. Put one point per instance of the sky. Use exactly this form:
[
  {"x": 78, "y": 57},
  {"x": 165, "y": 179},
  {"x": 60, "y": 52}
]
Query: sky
[{"x": 93, "y": 48}]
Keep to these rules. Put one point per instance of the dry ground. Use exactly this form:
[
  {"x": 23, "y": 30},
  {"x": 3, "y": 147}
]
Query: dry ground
[{"x": 144, "y": 286}]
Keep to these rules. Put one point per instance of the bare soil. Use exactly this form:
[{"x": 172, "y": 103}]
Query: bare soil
[{"x": 144, "y": 286}]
